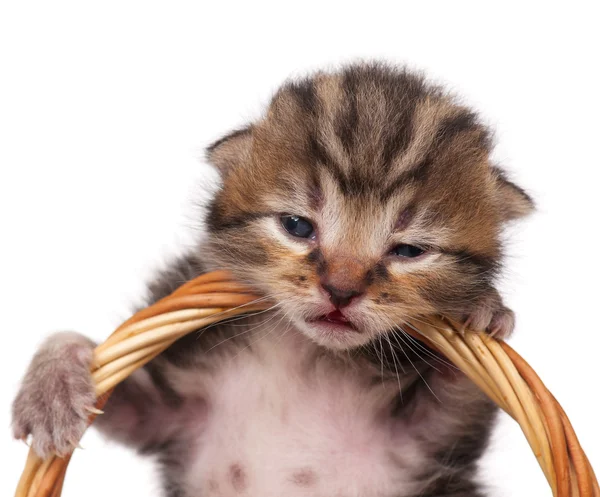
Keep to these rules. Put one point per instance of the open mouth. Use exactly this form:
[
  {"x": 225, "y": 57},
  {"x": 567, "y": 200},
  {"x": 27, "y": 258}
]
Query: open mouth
[{"x": 335, "y": 320}]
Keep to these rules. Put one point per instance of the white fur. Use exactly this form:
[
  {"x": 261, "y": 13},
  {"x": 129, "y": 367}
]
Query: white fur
[{"x": 279, "y": 408}]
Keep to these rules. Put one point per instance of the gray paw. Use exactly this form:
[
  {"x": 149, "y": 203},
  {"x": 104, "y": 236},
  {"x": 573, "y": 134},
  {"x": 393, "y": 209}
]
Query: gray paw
[
  {"x": 54, "y": 400},
  {"x": 493, "y": 316}
]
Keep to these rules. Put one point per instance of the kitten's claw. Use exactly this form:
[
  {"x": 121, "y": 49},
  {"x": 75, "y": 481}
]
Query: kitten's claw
[
  {"x": 52, "y": 403},
  {"x": 462, "y": 330},
  {"x": 492, "y": 316},
  {"x": 93, "y": 410},
  {"x": 75, "y": 444},
  {"x": 502, "y": 323}
]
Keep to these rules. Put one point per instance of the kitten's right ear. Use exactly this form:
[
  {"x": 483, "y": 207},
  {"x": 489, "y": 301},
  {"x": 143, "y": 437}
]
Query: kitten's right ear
[
  {"x": 231, "y": 151},
  {"x": 513, "y": 201}
]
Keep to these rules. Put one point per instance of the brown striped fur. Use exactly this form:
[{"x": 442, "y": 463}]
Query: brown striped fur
[
  {"x": 266, "y": 405},
  {"x": 373, "y": 155}
]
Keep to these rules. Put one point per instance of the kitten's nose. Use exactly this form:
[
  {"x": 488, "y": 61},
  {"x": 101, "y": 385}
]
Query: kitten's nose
[
  {"x": 344, "y": 279},
  {"x": 340, "y": 297}
]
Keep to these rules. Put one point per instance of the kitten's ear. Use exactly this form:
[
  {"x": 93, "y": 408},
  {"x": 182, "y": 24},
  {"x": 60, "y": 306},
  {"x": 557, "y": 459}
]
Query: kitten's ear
[
  {"x": 513, "y": 201},
  {"x": 231, "y": 151}
]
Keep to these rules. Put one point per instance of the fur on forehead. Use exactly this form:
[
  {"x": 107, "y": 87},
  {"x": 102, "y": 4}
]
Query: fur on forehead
[{"x": 379, "y": 132}]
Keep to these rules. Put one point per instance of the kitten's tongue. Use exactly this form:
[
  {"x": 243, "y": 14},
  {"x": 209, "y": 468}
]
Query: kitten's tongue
[{"x": 336, "y": 317}]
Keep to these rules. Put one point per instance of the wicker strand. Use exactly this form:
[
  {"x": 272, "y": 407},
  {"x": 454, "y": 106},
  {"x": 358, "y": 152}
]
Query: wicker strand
[{"x": 498, "y": 371}]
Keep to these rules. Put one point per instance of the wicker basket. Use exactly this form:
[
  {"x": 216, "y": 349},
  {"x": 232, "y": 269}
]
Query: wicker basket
[{"x": 492, "y": 365}]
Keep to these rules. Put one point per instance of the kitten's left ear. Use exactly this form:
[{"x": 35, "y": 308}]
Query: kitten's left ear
[
  {"x": 513, "y": 201},
  {"x": 233, "y": 150}
]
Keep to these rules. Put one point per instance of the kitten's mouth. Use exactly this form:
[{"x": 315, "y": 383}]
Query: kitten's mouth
[{"x": 335, "y": 321}]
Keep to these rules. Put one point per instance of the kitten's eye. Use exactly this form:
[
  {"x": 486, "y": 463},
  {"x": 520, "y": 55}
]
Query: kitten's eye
[
  {"x": 297, "y": 226},
  {"x": 404, "y": 250}
]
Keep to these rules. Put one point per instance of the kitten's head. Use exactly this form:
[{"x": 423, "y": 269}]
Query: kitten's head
[{"x": 361, "y": 199}]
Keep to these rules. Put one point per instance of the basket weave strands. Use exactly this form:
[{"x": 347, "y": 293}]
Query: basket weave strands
[{"x": 501, "y": 373}]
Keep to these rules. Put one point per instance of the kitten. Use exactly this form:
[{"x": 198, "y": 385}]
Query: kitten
[{"x": 362, "y": 198}]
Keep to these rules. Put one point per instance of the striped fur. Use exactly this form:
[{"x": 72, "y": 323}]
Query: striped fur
[
  {"x": 268, "y": 405},
  {"x": 356, "y": 151}
]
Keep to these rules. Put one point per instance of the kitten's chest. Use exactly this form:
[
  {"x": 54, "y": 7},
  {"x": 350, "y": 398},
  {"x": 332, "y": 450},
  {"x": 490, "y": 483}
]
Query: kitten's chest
[{"x": 284, "y": 419}]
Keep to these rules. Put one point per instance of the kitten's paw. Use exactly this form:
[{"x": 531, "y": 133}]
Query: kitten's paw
[
  {"x": 56, "y": 395},
  {"x": 493, "y": 316}
]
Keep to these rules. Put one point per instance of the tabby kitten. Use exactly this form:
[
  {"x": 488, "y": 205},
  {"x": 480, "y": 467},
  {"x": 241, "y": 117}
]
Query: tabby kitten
[{"x": 363, "y": 198}]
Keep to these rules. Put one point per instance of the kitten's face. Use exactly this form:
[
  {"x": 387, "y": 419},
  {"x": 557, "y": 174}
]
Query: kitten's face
[{"x": 363, "y": 199}]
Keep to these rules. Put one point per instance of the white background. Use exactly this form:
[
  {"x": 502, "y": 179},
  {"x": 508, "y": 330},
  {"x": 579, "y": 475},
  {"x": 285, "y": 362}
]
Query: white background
[{"x": 105, "y": 108}]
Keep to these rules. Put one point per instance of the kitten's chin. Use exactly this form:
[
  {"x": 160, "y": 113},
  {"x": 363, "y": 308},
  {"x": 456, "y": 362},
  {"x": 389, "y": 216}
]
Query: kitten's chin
[{"x": 332, "y": 335}]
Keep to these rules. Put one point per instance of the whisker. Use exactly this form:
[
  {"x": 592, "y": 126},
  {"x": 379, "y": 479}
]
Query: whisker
[
  {"x": 395, "y": 367},
  {"x": 425, "y": 349},
  {"x": 255, "y": 301},
  {"x": 421, "y": 376},
  {"x": 380, "y": 357},
  {"x": 407, "y": 343},
  {"x": 396, "y": 336},
  {"x": 231, "y": 322},
  {"x": 395, "y": 327},
  {"x": 264, "y": 335},
  {"x": 243, "y": 316},
  {"x": 237, "y": 334},
  {"x": 426, "y": 323}
]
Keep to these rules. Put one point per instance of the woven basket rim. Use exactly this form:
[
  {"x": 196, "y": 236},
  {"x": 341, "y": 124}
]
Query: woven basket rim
[{"x": 499, "y": 371}]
